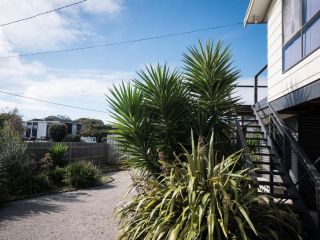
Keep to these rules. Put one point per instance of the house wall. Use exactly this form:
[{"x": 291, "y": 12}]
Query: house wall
[
  {"x": 42, "y": 130},
  {"x": 302, "y": 74},
  {"x": 74, "y": 129}
]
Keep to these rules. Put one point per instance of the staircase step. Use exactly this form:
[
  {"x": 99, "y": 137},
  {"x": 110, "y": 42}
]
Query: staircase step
[
  {"x": 282, "y": 196},
  {"x": 255, "y": 138},
  {"x": 254, "y": 132},
  {"x": 263, "y": 154},
  {"x": 259, "y": 146},
  {"x": 251, "y": 126},
  {"x": 248, "y": 120},
  {"x": 265, "y": 163},
  {"x": 279, "y": 184},
  {"x": 268, "y": 172}
]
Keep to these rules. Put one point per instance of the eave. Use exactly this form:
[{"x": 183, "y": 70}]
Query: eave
[{"x": 257, "y": 12}]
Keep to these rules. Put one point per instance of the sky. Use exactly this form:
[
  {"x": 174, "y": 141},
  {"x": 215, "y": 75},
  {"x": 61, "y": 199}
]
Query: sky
[{"x": 83, "y": 78}]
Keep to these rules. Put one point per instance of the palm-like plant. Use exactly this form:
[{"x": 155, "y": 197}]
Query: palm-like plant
[
  {"x": 133, "y": 127},
  {"x": 58, "y": 153},
  {"x": 150, "y": 116},
  {"x": 207, "y": 197},
  {"x": 211, "y": 80},
  {"x": 156, "y": 112},
  {"x": 167, "y": 104}
]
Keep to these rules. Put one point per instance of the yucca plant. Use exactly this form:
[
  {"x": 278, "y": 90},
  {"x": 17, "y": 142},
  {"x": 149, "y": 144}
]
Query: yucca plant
[
  {"x": 156, "y": 112},
  {"x": 211, "y": 80},
  {"x": 205, "y": 197},
  {"x": 133, "y": 127},
  {"x": 150, "y": 116},
  {"x": 58, "y": 153}
]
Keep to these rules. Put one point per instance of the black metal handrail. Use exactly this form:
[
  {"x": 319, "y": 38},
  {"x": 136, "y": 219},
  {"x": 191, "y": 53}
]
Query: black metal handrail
[
  {"x": 255, "y": 85},
  {"x": 307, "y": 177}
]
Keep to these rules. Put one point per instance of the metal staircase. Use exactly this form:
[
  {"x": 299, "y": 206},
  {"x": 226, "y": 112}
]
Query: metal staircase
[{"x": 285, "y": 172}]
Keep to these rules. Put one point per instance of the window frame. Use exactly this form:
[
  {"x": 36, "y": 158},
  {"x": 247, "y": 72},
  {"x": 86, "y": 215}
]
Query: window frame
[{"x": 300, "y": 32}]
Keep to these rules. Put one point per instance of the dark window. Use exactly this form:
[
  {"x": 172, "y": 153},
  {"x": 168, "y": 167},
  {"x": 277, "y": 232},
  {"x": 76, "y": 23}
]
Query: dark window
[
  {"x": 301, "y": 30},
  {"x": 28, "y": 131}
]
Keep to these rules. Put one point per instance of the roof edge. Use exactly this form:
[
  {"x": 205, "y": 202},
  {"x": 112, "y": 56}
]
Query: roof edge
[{"x": 257, "y": 11}]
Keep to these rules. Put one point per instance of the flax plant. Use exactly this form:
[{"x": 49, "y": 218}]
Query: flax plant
[{"x": 205, "y": 197}]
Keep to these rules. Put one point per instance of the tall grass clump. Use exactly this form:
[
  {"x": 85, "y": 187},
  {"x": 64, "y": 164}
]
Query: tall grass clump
[
  {"x": 205, "y": 196},
  {"x": 82, "y": 174}
]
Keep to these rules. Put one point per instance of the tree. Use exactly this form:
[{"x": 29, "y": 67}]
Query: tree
[
  {"x": 91, "y": 127},
  {"x": 13, "y": 119},
  {"x": 58, "y": 131},
  {"x": 60, "y": 118}
]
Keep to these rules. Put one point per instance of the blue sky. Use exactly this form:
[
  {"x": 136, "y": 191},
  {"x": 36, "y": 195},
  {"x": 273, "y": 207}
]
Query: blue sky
[{"x": 82, "y": 78}]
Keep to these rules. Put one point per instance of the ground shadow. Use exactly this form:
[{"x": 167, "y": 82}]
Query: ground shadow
[{"x": 46, "y": 204}]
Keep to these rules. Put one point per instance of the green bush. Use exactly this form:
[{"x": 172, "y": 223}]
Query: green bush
[
  {"x": 45, "y": 165},
  {"x": 71, "y": 138},
  {"x": 32, "y": 184},
  {"x": 13, "y": 160},
  {"x": 205, "y": 197},
  {"x": 57, "y": 176},
  {"x": 58, "y": 131},
  {"x": 82, "y": 174},
  {"x": 58, "y": 153}
]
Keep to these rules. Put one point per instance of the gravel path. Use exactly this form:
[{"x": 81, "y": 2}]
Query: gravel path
[{"x": 84, "y": 214}]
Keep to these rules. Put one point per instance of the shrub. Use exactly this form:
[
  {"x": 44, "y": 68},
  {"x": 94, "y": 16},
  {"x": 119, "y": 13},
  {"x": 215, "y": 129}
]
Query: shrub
[
  {"x": 13, "y": 160},
  {"x": 205, "y": 197},
  {"x": 57, "y": 176},
  {"x": 32, "y": 184},
  {"x": 76, "y": 138},
  {"x": 58, "y": 153},
  {"x": 71, "y": 138},
  {"x": 82, "y": 174},
  {"x": 58, "y": 131},
  {"x": 45, "y": 165}
]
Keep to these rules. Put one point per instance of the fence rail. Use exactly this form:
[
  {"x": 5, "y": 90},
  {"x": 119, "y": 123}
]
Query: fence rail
[{"x": 99, "y": 153}]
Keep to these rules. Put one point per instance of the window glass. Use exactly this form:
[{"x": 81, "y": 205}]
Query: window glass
[
  {"x": 292, "y": 18},
  {"x": 311, "y": 37},
  {"x": 311, "y": 8},
  {"x": 292, "y": 53}
]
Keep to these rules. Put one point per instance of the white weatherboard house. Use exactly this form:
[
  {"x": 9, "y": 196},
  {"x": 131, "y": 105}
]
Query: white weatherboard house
[
  {"x": 288, "y": 120},
  {"x": 39, "y": 129},
  {"x": 293, "y": 28}
]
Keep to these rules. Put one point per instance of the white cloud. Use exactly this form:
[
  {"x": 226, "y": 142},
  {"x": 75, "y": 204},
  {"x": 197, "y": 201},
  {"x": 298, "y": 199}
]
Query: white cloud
[
  {"x": 103, "y": 6},
  {"x": 83, "y": 88},
  {"x": 52, "y": 30},
  {"x": 78, "y": 87}
]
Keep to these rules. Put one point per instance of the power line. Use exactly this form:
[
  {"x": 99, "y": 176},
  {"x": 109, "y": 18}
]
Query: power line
[
  {"x": 55, "y": 103},
  {"x": 40, "y": 14},
  {"x": 122, "y": 42}
]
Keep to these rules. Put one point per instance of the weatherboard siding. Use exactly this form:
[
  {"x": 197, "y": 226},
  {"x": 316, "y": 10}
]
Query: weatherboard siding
[{"x": 305, "y": 72}]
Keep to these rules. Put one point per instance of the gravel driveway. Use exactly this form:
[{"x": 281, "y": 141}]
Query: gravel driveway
[{"x": 84, "y": 214}]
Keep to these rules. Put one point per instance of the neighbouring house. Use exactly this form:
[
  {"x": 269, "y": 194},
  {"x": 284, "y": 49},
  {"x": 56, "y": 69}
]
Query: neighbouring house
[
  {"x": 38, "y": 129},
  {"x": 289, "y": 118}
]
